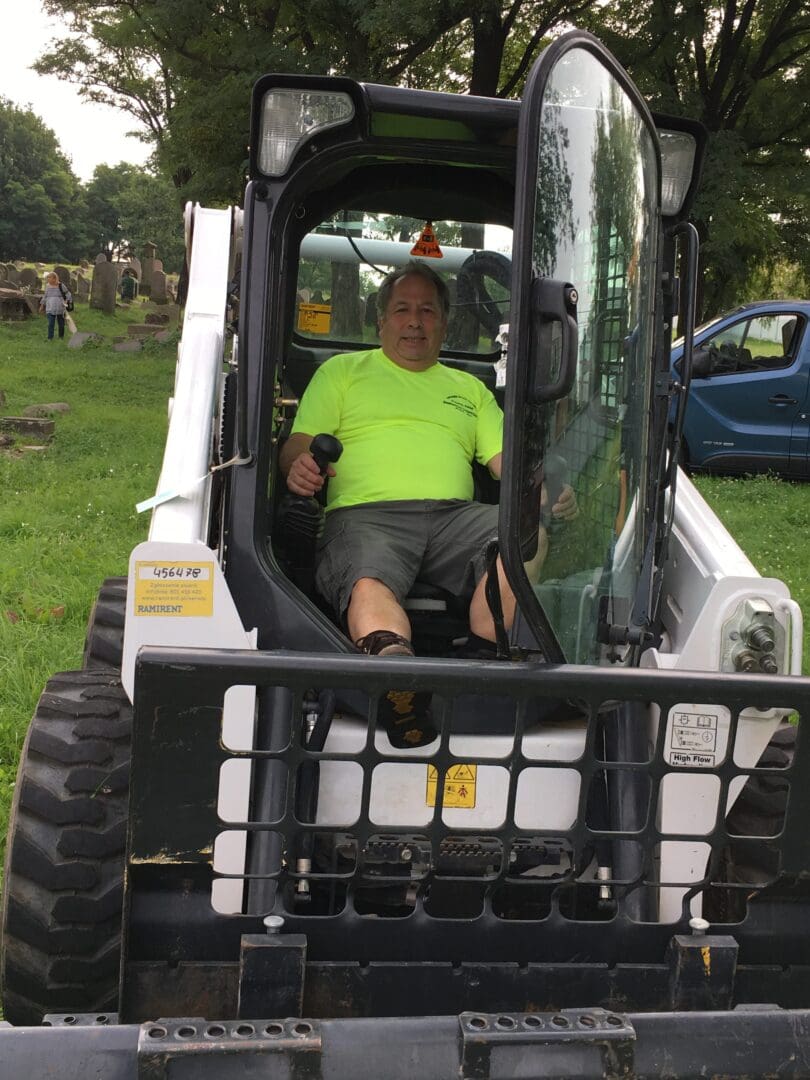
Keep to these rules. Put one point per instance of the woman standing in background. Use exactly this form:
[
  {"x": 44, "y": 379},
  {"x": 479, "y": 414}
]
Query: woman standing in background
[{"x": 53, "y": 304}]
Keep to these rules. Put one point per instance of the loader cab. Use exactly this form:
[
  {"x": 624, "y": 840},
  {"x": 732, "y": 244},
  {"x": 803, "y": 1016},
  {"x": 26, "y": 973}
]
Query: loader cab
[{"x": 546, "y": 218}]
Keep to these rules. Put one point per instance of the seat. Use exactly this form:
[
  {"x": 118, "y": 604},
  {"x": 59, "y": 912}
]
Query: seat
[{"x": 788, "y": 333}]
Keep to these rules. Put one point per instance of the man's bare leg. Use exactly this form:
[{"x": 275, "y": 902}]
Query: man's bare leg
[
  {"x": 481, "y": 622},
  {"x": 374, "y": 607}
]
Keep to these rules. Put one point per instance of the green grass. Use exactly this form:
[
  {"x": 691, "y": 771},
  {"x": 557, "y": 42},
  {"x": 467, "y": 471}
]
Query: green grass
[{"x": 67, "y": 517}]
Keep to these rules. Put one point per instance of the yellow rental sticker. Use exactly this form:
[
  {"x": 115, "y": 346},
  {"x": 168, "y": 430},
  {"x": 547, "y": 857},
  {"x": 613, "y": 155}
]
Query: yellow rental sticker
[
  {"x": 314, "y": 318},
  {"x": 174, "y": 589},
  {"x": 459, "y": 786}
]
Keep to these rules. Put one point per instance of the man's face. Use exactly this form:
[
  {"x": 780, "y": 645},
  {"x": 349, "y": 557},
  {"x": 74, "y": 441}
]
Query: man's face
[{"x": 413, "y": 326}]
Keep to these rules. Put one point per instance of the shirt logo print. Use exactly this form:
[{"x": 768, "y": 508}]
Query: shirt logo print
[{"x": 461, "y": 403}]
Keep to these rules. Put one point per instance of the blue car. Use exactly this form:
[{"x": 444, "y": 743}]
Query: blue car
[{"x": 749, "y": 405}]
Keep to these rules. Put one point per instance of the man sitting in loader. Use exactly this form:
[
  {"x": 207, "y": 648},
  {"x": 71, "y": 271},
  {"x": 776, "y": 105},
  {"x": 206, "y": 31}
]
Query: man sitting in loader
[{"x": 400, "y": 503}]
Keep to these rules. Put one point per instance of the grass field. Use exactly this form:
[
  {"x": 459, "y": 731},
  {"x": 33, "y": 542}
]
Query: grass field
[
  {"x": 67, "y": 517},
  {"x": 67, "y": 513}
]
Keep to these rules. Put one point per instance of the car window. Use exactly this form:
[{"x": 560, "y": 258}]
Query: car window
[
  {"x": 344, "y": 260},
  {"x": 761, "y": 343}
]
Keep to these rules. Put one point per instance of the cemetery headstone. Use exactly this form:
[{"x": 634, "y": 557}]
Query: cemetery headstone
[
  {"x": 82, "y": 288},
  {"x": 103, "y": 287},
  {"x": 159, "y": 287},
  {"x": 147, "y": 267}
]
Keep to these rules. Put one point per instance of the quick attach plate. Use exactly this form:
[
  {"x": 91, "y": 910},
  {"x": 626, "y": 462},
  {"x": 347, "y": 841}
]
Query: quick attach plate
[
  {"x": 572, "y": 1042},
  {"x": 179, "y": 1049}
]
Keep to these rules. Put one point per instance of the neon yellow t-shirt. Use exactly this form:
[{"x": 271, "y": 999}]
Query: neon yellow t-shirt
[{"x": 405, "y": 434}]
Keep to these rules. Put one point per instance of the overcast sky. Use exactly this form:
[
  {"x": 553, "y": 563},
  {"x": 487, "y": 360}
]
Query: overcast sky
[{"x": 88, "y": 134}]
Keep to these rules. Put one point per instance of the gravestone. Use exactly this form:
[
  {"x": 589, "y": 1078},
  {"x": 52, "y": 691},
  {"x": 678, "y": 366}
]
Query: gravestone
[
  {"x": 159, "y": 287},
  {"x": 3, "y": 272},
  {"x": 82, "y": 288},
  {"x": 84, "y": 265},
  {"x": 148, "y": 267},
  {"x": 133, "y": 263},
  {"x": 63, "y": 274},
  {"x": 28, "y": 278},
  {"x": 77, "y": 340},
  {"x": 51, "y": 408},
  {"x": 13, "y": 304},
  {"x": 73, "y": 284},
  {"x": 100, "y": 258},
  {"x": 103, "y": 287}
]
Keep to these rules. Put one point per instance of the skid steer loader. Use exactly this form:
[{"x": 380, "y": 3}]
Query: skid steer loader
[{"x": 218, "y": 863}]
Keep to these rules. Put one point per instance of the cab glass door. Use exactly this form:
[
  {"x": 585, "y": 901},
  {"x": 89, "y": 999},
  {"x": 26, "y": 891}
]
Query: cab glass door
[{"x": 580, "y": 369}]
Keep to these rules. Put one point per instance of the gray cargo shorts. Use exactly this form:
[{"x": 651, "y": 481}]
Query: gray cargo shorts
[{"x": 441, "y": 542}]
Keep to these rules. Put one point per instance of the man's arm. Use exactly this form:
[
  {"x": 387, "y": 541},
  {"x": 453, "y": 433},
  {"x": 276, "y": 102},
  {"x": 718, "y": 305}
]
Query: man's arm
[
  {"x": 494, "y": 465},
  {"x": 298, "y": 465}
]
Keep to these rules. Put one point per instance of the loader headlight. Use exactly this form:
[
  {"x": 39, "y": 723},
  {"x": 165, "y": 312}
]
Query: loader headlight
[
  {"x": 678, "y": 150},
  {"x": 290, "y": 116}
]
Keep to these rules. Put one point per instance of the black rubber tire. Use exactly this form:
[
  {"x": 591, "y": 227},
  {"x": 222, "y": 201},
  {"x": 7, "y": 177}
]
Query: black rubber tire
[
  {"x": 104, "y": 642},
  {"x": 759, "y": 811},
  {"x": 63, "y": 881}
]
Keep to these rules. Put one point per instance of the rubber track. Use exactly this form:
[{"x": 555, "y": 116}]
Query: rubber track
[
  {"x": 61, "y": 916},
  {"x": 104, "y": 643}
]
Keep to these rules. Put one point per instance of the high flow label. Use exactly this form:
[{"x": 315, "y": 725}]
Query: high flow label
[
  {"x": 178, "y": 589},
  {"x": 696, "y": 735}
]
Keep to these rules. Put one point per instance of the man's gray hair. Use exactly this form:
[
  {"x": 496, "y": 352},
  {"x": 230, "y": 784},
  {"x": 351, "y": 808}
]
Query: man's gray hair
[{"x": 416, "y": 269}]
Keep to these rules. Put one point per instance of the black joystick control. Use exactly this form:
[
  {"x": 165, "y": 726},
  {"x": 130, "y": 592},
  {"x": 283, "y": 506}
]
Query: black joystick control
[
  {"x": 302, "y": 515},
  {"x": 326, "y": 450}
]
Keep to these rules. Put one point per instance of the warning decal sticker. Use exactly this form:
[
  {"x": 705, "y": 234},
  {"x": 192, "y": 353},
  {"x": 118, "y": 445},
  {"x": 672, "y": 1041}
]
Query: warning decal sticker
[
  {"x": 314, "y": 318},
  {"x": 174, "y": 588},
  {"x": 693, "y": 739},
  {"x": 459, "y": 786},
  {"x": 427, "y": 245}
]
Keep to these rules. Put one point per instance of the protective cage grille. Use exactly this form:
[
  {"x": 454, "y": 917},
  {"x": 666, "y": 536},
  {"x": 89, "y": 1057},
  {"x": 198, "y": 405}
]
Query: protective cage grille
[{"x": 592, "y": 848}]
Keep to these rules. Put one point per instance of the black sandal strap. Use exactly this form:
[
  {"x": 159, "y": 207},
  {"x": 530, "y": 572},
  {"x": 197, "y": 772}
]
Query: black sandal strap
[{"x": 377, "y": 640}]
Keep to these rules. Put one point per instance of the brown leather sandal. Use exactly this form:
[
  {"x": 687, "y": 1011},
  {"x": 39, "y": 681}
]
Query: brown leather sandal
[
  {"x": 385, "y": 643},
  {"x": 405, "y": 714}
]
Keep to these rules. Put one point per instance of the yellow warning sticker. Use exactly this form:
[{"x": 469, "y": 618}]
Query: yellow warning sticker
[
  {"x": 174, "y": 588},
  {"x": 459, "y": 786},
  {"x": 314, "y": 318}
]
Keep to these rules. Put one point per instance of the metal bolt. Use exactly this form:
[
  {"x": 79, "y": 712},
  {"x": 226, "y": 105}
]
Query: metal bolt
[
  {"x": 698, "y": 926},
  {"x": 745, "y": 661},
  {"x": 761, "y": 637},
  {"x": 273, "y": 923},
  {"x": 768, "y": 664},
  {"x": 406, "y": 854}
]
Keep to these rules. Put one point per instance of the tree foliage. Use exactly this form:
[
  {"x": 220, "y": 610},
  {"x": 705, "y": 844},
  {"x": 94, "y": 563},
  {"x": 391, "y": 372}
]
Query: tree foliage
[
  {"x": 183, "y": 70},
  {"x": 48, "y": 215},
  {"x": 128, "y": 207},
  {"x": 742, "y": 67},
  {"x": 41, "y": 205}
]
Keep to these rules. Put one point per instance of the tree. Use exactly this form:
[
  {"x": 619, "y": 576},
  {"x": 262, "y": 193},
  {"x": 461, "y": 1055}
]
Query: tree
[
  {"x": 742, "y": 67},
  {"x": 41, "y": 204},
  {"x": 184, "y": 68},
  {"x": 127, "y": 206}
]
